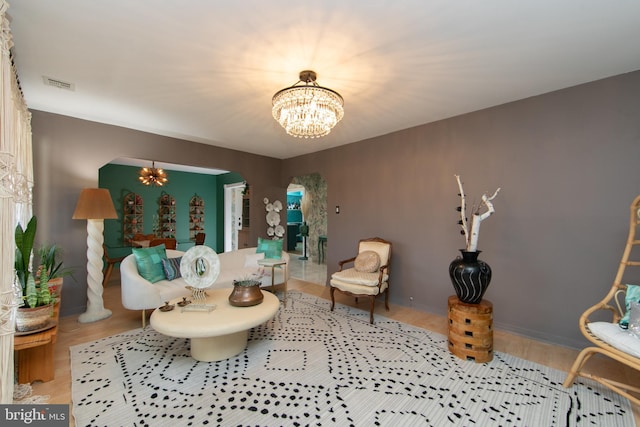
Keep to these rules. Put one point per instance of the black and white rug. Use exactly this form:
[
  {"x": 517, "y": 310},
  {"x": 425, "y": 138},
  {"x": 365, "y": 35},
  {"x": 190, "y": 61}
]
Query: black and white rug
[{"x": 311, "y": 366}]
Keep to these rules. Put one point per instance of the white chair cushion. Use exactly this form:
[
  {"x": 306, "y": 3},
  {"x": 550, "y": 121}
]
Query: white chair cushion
[
  {"x": 355, "y": 277},
  {"x": 358, "y": 289},
  {"x": 616, "y": 337}
]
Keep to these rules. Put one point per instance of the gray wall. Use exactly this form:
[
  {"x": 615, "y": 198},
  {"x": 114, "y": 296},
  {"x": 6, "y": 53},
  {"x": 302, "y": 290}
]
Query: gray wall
[
  {"x": 567, "y": 163},
  {"x": 68, "y": 154},
  {"x": 568, "y": 166}
]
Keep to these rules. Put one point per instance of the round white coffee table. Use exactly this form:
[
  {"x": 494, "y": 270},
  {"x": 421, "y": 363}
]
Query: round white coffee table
[{"x": 218, "y": 334}]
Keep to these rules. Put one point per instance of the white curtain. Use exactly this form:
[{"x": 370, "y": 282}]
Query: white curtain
[{"x": 16, "y": 184}]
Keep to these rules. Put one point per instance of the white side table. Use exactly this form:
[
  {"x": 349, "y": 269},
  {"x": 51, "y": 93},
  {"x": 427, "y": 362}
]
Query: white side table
[{"x": 273, "y": 263}]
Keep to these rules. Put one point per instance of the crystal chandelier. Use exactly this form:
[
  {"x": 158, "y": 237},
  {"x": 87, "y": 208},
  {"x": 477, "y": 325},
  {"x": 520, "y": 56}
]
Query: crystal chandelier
[
  {"x": 153, "y": 176},
  {"x": 307, "y": 110}
]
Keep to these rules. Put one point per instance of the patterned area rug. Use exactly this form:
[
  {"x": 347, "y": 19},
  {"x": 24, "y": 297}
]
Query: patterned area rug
[{"x": 311, "y": 366}]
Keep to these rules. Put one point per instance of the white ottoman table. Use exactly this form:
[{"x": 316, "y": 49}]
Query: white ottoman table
[{"x": 218, "y": 334}]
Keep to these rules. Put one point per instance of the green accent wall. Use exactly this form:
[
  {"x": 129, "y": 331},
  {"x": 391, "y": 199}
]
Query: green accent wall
[{"x": 182, "y": 186}]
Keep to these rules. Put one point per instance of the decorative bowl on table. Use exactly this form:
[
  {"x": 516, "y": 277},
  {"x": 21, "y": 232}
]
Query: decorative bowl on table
[{"x": 246, "y": 293}]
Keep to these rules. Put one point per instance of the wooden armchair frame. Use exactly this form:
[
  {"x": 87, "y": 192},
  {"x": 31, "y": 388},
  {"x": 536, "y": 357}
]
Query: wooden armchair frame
[
  {"x": 614, "y": 304},
  {"x": 110, "y": 262},
  {"x": 383, "y": 269}
]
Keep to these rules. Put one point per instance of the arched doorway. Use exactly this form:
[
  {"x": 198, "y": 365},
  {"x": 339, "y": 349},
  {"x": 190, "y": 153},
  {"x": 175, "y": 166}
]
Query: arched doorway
[{"x": 314, "y": 189}]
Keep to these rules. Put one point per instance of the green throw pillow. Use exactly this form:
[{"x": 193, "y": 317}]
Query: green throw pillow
[
  {"x": 633, "y": 295},
  {"x": 270, "y": 248},
  {"x": 149, "y": 261}
]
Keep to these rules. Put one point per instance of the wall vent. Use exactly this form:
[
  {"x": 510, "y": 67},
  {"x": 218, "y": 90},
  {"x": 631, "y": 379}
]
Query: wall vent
[{"x": 58, "y": 83}]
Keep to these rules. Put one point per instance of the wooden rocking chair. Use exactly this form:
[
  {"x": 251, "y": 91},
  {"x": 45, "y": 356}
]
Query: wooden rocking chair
[{"x": 609, "y": 339}]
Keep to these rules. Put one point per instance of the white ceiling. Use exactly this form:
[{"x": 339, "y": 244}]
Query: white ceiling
[{"x": 206, "y": 70}]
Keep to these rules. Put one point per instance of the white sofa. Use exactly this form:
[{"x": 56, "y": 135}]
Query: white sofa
[{"x": 140, "y": 294}]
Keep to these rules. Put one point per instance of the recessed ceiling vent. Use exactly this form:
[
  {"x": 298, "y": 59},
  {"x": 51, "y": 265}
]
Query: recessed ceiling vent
[{"x": 58, "y": 83}]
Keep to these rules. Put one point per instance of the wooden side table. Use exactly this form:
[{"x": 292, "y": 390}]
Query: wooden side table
[
  {"x": 34, "y": 353},
  {"x": 471, "y": 330}
]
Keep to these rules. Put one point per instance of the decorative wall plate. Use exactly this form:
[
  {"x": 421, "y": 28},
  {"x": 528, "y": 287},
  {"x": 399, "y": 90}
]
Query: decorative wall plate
[
  {"x": 269, "y": 207},
  {"x": 273, "y": 218},
  {"x": 200, "y": 266},
  {"x": 279, "y": 230},
  {"x": 270, "y": 231},
  {"x": 277, "y": 206}
]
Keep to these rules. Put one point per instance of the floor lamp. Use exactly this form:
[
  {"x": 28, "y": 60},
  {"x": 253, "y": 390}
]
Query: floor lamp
[{"x": 95, "y": 205}]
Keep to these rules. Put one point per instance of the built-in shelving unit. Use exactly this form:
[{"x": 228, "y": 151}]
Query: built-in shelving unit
[
  {"x": 167, "y": 216},
  {"x": 196, "y": 216},
  {"x": 132, "y": 218}
]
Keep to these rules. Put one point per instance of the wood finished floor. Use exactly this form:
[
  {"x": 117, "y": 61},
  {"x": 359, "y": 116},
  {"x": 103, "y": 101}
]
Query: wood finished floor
[{"x": 71, "y": 333}]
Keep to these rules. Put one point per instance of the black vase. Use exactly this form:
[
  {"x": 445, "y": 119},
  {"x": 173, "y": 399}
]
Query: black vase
[{"x": 470, "y": 277}]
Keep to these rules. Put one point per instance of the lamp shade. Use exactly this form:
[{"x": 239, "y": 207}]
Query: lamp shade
[{"x": 95, "y": 203}]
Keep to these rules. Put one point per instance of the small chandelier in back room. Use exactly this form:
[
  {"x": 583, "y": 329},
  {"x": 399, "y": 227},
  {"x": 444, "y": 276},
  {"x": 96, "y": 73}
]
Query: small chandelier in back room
[
  {"x": 153, "y": 176},
  {"x": 308, "y": 110}
]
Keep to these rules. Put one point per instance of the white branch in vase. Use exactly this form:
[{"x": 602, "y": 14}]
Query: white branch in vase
[{"x": 471, "y": 239}]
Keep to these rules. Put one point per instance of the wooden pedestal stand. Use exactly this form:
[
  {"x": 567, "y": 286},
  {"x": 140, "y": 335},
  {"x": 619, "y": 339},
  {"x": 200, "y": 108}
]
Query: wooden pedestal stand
[
  {"x": 34, "y": 353},
  {"x": 471, "y": 330}
]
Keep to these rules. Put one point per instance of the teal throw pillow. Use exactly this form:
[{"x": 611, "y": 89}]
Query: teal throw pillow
[
  {"x": 149, "y": 262},
  {"x": 171, "y": 267},
  {"x": 270, "y": 248},
  {"x": 633, "y": 295}
]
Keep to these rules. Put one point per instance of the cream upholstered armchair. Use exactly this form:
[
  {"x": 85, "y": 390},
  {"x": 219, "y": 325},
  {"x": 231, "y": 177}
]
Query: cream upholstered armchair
[{"x": 369, "y": 276}]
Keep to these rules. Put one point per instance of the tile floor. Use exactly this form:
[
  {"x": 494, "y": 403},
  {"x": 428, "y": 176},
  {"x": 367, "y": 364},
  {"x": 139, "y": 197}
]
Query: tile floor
[{"x": 307, "y": 270}]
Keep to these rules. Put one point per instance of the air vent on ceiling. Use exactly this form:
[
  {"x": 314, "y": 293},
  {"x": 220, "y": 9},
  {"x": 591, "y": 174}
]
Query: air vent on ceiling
[{"x": 58, "y": 83}]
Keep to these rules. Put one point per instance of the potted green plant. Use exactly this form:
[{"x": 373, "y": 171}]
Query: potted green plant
[
  {"x": 37, "y": 303},
  {"x": 49, "y": 255}
]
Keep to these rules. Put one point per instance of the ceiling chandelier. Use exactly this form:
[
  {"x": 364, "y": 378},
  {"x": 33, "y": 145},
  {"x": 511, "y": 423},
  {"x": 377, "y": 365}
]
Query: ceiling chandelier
[
  {"x": 153, "y": 176},
  {"x": 307, "y": 110}
]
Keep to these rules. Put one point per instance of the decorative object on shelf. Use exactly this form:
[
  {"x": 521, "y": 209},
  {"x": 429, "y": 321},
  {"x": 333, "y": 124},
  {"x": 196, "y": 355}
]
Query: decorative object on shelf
[
  {"x": 95, "y": 205},
  {"x": 153, "y": 176},
  {"x": 469, "y": 275},
  {"x": 167, "y": 216},
  {"x": 308, "y": 110},
  {"x": 132, "y": 217},
  {"x": 155, "y": 225},
  {"x": 196, "y": 216},
  {"x": 246, "y": 293}
]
